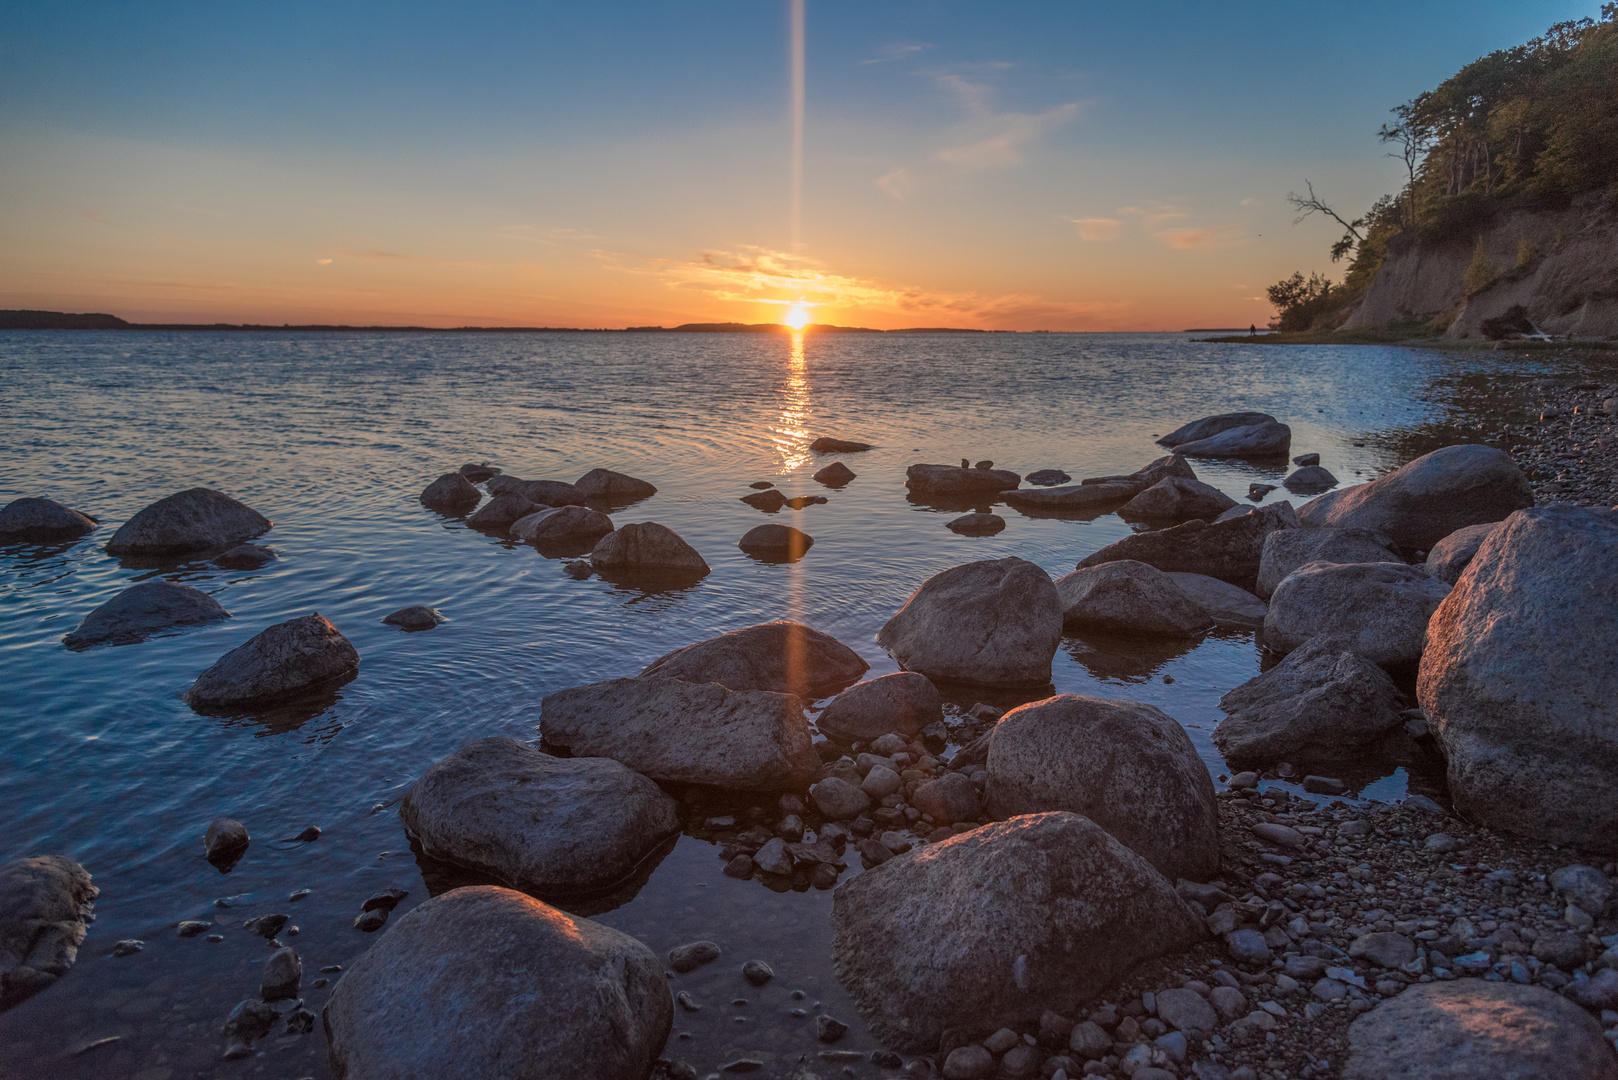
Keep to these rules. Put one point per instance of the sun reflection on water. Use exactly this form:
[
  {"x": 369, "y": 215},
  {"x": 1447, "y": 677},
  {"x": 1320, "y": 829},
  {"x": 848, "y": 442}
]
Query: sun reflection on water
[{"x": 789, "y": 434}]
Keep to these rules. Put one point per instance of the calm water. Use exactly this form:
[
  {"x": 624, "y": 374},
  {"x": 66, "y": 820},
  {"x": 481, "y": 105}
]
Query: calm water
[{"x": 333, "y": 437}]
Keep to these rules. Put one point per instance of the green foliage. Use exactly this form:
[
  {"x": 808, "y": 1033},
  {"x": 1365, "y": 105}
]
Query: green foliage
[
  {"x": 1480, "y": 273},
  {"x": 1299, "y": 302}
]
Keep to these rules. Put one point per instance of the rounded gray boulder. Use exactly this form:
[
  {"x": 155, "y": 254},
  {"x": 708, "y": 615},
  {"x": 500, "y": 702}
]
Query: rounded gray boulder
[
  {"x": 1288, "y": 549},
  {"x": 604, "y": 485},
  {"x": 142, "y": 610},
  {"x": 500, "y": 511},
  {"x": 562, "y": 525},
  {"x": 647, "y": 547},
  {"x": 1453, "y": 554},
  {"x": 1175, "y": 498},
  {"x": 450, "y": 494},
  {"x": 1129, "y": 598},
  {"x": 545, "y": 825},
  {"x": 279, "y": 662},
  {"x": 43, "y": 519},
  {"x": 192, "y": 520},
  {"x": 1378, "y": 610},
  {"x": 487, "y": 982},
  {"x": 776, "y": 543},
  {"x": 1127, "y": 766},
  {"x": 1266, "y": 439},
  {"x": 1227, "y": 604},
  {"x": 1209, "y": 426},
  {"x": 784, "y": 657},
  {"x": 46, "y": 903},
  {"x": 903, "y": 703}
]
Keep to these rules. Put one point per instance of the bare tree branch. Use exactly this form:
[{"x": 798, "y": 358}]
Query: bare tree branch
[{"x": 1313, "y": 205}]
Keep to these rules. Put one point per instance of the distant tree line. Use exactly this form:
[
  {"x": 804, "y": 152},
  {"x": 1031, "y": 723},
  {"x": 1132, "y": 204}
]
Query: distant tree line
[{"x": 1533, "y": 125}]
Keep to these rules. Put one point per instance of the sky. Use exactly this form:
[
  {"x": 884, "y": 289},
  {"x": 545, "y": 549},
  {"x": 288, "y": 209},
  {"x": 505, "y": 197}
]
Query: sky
[{"x": 1015, "y": 166}]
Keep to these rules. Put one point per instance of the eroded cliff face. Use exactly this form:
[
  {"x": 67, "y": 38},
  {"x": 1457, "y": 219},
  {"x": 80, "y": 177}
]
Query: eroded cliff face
[{"x": 1559, "y": 266}]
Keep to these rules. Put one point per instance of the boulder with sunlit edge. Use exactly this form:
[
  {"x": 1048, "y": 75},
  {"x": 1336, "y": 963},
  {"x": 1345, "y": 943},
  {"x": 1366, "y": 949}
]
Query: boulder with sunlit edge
[
  {"x": 991, "y": 623},
  {"x": 278, "y": 663},
  {"x": 776, "y": 543},
  {"x": 562, "y": 525},
  {"x": 783, "y": 656}
]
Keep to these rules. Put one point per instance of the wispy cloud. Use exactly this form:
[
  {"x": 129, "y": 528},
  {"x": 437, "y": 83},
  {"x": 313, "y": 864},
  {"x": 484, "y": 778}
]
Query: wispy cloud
[
  {"x": 899, "y": 50},
  {"x": 1099, "y": 230},
  {"x": 1206, "y": 239},
  {"x": 538, "y": 235}
]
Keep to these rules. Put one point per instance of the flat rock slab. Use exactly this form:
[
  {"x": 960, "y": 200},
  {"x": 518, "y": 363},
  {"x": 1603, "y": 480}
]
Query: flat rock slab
[
  {"x": 280, "y": 662},
  {"x": 414, "y": 617},
  {"x": 827, "y": 445},
  {"x": 43, "y": 519},
  {"x": 1228, "y": 550},
  {"x": 142, "y": 610},
  {"x": 785, "y": 657},
  {"x": 545, "y": 825},
  {"x": 1467, "y": 1029},
  {"x": 46, "y": 902},
  {"x": 192, "y": 520},
  {"x": 695, "y": 733},
  {"x": 1262, "y": 440},
  {"x": 953, "y": 480},
  {"x": 978, "y": 525},
  {"x": 1209, "y": 426},
  {"x": 486, "y": 982},
  {"x": 1229, "y": 605},
  {"x": 1075, "y": 497}
]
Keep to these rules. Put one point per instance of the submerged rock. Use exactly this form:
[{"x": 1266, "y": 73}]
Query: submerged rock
[
  {"x": 450, "y": 494},
  {"x": 609, "y": 486},
  {"x": 991, "y": 623},
  {"x": 282, "y": 974},
  {"x": 142, "y": 610},
  {"x": 550, "y": 493},
  {"x": 776, "y": 542},
  {"x": 1289, "y": 549},
  {"x": 1228, "y": 550},
  {"x": 245, "y": 557},
  {"x": 479, "y": 471},
  {"x": 1453, "y": 554},
  {"x": 1210, "y": 426},
  {"x": 769, "y": 500},
  {"x": 1267, "y": 439},
  {"x": 276, "y": 663},
  {"x": 414, "y": 617},
  {"x": 1310, "y": 479},
  {"x": 1323, "y": 702},
  {"x": 902, "y": 703},
  {"x": 1125, "y": 765},
  {"x": 784, "y": 657},
  {"x": 1070, "y": 497},
  {"x": 1154, "y": 472},
  {"x": 835, "y": 475},
  {"x": 1129, "y": 598},
  {"x": 46, "y": 902},
  {"x": 545, "y": 825},
  {"x": 192, "y": 520},
  {"x": 1227, "y": 604},
  {"x": 950, "y": 480},
  {"x": 1520, "y": 674},
  {"x": 1379, "y": 610},
  {"x": 978, "y": 525},
  {"x": 502, "y": 510},
  {"x": 1047, "y": 477},
  {"x": 1419, "y": 504},
  {"x": 1177, "y": 498},
  {"x": 487, "y": 982},
  {"x": 995, "y": 926},
  {"x": 43, "y": 519},
  {"x": 647, "y": 547},
  {"x": 694, "y": 733},
  {"x": 225, "y": 842},
  {"x": 827, "y": 445},
  {"x": 562, "y": 525}
]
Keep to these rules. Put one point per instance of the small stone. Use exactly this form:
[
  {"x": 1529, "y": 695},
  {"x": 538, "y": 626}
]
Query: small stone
[
  {"x": 282, "y": 974},
  {"x": 386, "y": 900},
  {"x": 824, "y": 876},
  {"x": 250, "y": 1020},
  {"x": 1441, "y": 843},
  {"x": 873, "y": 852},
  {"x": 225, "y": 841},
  {"x": 968, "y": 1063},
  {"x": 1247, "y": 947},
  {"x": 1228, "y": 1002},
  {"x": 1280, "y": 835},
  {"x": 191, "y": 928},
  {"x": 740, "y": 867},
  {"x": 686, "y": 958},
  {"x": 757, "y": 972},
  {"x": 687, "y": 1002},
  {"x": 300, "y": 1021},
  {"x": 773, "y": 858},
  {"x": 128, "y": 947},
  {"x": 1001, "y": 1041},
  {"x": 372, "y": 920},
  {"x": 1324, "y": 785},
  {"x": 265, "y": 926},
  {"x": 829, "y": 1030}
]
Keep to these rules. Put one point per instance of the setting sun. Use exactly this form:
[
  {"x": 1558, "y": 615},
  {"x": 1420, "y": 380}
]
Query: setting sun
[{"x": 797, "y": 317}]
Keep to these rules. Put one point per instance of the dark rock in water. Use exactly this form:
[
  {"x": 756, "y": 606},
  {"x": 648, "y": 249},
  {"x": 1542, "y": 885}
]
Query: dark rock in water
[
  {"x": 991, "y": 623},
  {"x": 1379, "y": 610},
  {"x": 824, "y": 445},
  {"x": 245, "y": 557},
  {"x": 46, "y": 902},
  {"x": 757, "y": 972},
  {"x": 578, "y": 569},
  {"x": 984, "y": 464},
  {"x": 487, "y": 982},
  {"x": 835, "y": 475},
  {"x": 43, "y": 519},
  {"x": 502, "y": 510},
  {"x": 952, "y": 797},
  {"x": 1153, "y": 473},
  {"x": 1210, "y": 426},
  {"x": 1310, "y": 479},
  {"x": 1228, "y": 550},
  {"x": 608, "y": 486},
  {"x": 784, "y": 657},
  {"x": 479, "y": 472},
  {"x": 301, "y": 1021},
  {"x": 250, "y": 1020},
  {"x": 144, "y": 609},
  {"x": 1175, "y": 498},
  {"x": 1419, "y": 504},
  {"x": 282, "y": 974},
  {"x": 694, "y": 733},
  {"x": 265, "y": 926},
  {"x": 950, "y": 480},
  {"x": 838, "y": 799},
  {"x": 1268, "y": 439},
  {"x": 225, "y": 842},
  {"x": 1043, "y": 911},
  {"x": 507, "y": 484},
  {"x": 450, "y": 494},
  {"x": 545, "y": 825},
  {"x": 307, "y": 836},
  {"x": 371, "y": 921},
  {"x": 647, "y": 547},
  {"x": 1070, "y": 497},
  {"x": 1287, "y": 550},
  {"x": 978, "y": 524},
  {"x": 562, "y": 525},
  {"x": 276, "y": 663},
  {"x": 686, "y": 958},
  {"x": 760, "y": 485},
  {"x": 1324, "y": 785},
  {"x": 386, "y": 900},
  {"x": 1322, "y": 703},
  {"x": 798, "y": 502},
  {"x": 1305, "y": 460},
  {"x": 829, "y": 1029},
  {"x": 768, "y": 501},
  {"x": 551, "y": 493},
  {"x": 781, "y": 543},
  {"x": 414, "y": 617},
  {"x": 1453, "y": 554},
  {"x": 902, "y": 703},
  {"x": 1125, "y": 765},
  {"x": 1230, "y": 606},
  {"x": 1258, "y": 491},
  {"x": 1129, "y": 598},
  {"x": 1047, "y": 477},
  {"x": 191, "y": 520},
  {"x": 1520, "y": 674}
]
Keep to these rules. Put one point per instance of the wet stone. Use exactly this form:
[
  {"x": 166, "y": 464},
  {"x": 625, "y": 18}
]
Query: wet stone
[
  {"x": 757, "y": 972},
  {"x": 686, "y": 958}
]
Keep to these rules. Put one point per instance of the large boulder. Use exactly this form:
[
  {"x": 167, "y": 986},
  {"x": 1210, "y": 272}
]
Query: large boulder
[
  {"x": 952, "y": 480},
  {"x": 1323, "y": 702},
  {"x": 992, "y": 623},
  {"x": 647, "y": 547},
  {"x": 500, "y": 511},
  {"x": 276, "y": 663},
  {"x": 1131, "y": 598},
  {"x": 451, "y": 494},
  {"x": 784, "y": 657},
  {"x": 694, "y": 733},
  {"x": 1210, "y": 426},
  {"x": 1267, "y": 439},
  {"x": 1229, "y": 605},
  {"x": 546, "y": 825},
  {"x": 1520, "y": 676},
  {"x": 993, "y": 927},
  {"x": 46, "y": 901},
  {"x": 1228, "y": 550},
  {"x": 144, "y": 609},
  {"x": 1176, "y": 499},
  {"x": 193, "y": 520},
  {"x": 486, "y": 982},
  {"x": 903, "y": 703},
  {"x": 1379, "y": 610},
  {"x": 1127, "y": 766},
  {"x": 604, "y": 485},
  {"x": 1289, "y": 549},
  {"x": 1453, "y": 554},
  {"x": 1469, "y": 1028},
  {"x": 1419, "y": 504},
  {"x": 43, "y": 519},
  {"x": 562, "y": 525}
]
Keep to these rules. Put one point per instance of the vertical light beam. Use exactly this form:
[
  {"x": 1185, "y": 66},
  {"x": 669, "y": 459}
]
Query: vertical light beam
[{"x": 795, "y": 225}]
